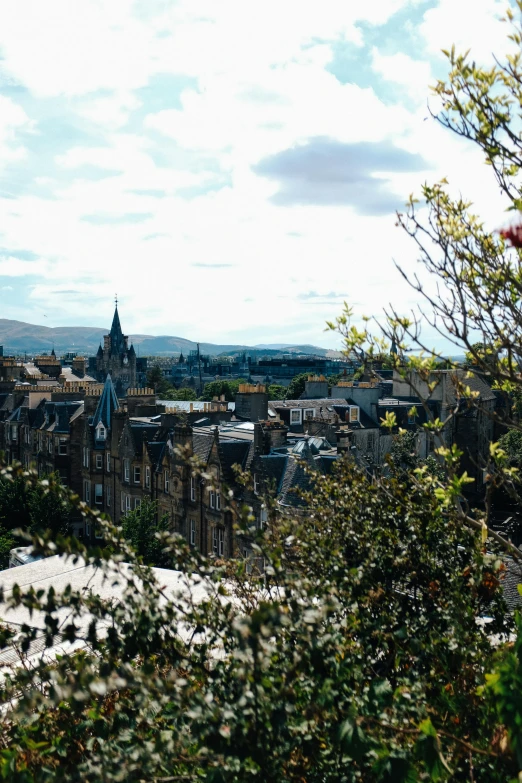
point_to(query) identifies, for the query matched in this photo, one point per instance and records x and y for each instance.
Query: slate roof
(512, 577)
(49, 416)
(324, 402)
(234, 452)
(156, 451)
(475, 383)
(108, 403)
(274, 467)
(296, 478)
(202, 444)
(139, 432)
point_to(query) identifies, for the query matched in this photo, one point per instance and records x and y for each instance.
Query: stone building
(117, 358)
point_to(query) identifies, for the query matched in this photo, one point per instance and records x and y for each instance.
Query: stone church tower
(117, 358)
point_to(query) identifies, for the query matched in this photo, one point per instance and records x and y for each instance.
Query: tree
(140, 527)
(296, 386)
(181, 393)
(154, 376)
(157, 381)
(218, 388)
(276, 391)
(366, 629)
(34, 508)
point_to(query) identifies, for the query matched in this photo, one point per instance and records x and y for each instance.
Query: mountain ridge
(20, 337)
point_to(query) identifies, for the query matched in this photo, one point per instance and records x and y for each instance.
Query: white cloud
(110, 112)
(415, 76)
(12, 119)
(469, 24)
(262, 86)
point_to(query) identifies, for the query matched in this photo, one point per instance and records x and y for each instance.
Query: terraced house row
(115, 452)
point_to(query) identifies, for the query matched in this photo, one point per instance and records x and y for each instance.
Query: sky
(231, 169)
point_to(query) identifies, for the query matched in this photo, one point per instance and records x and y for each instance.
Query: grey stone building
(117, 358)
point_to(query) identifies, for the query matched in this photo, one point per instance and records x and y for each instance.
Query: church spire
(116, 333)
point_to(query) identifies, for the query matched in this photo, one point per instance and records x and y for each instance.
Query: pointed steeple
(118, 340)
(100, 352)
(107, 405)
(116, 326)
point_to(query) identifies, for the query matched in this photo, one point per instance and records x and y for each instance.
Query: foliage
(276, 391)
(296, 386)
(511, 442)
(140, 527)
(217, 388)
(7, 542)
(359, 658)
(157, 381)
(33, 508)
(181, 393)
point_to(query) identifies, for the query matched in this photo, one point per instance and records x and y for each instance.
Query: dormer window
(101, 432)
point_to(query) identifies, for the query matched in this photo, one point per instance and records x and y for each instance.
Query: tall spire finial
(116, 299)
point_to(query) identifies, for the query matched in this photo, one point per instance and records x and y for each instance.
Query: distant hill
(20, 337)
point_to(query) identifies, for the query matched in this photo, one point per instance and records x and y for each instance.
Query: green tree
(140, 528)
(154, 376)
(511, 442)
(296, 386)
(157, 381)
(227, 388)
(34, 508)
(181, 393)
(276, 391)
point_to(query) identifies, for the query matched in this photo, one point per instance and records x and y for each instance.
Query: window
(263, 517)
(98, 494)
(87, 530)
(108, 455)
(99, 461)
(257, 484)
(192, 487)
(87, 491)
(14, 433)
(137, 474)
(212, 498)
(62, 446)
(27, 435)
(126, 470)
(97, 532)
(137, 502)
(127, 502)
(86, 457)
(167, 481)
(354, 413)
(218, 501)
(50, 444)
(192, 532)
(108, 494)
(221, 541)
(295, 416)
(100, 432)
(370, 443)
(147, 476)
(215, 540)
(309, 413)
